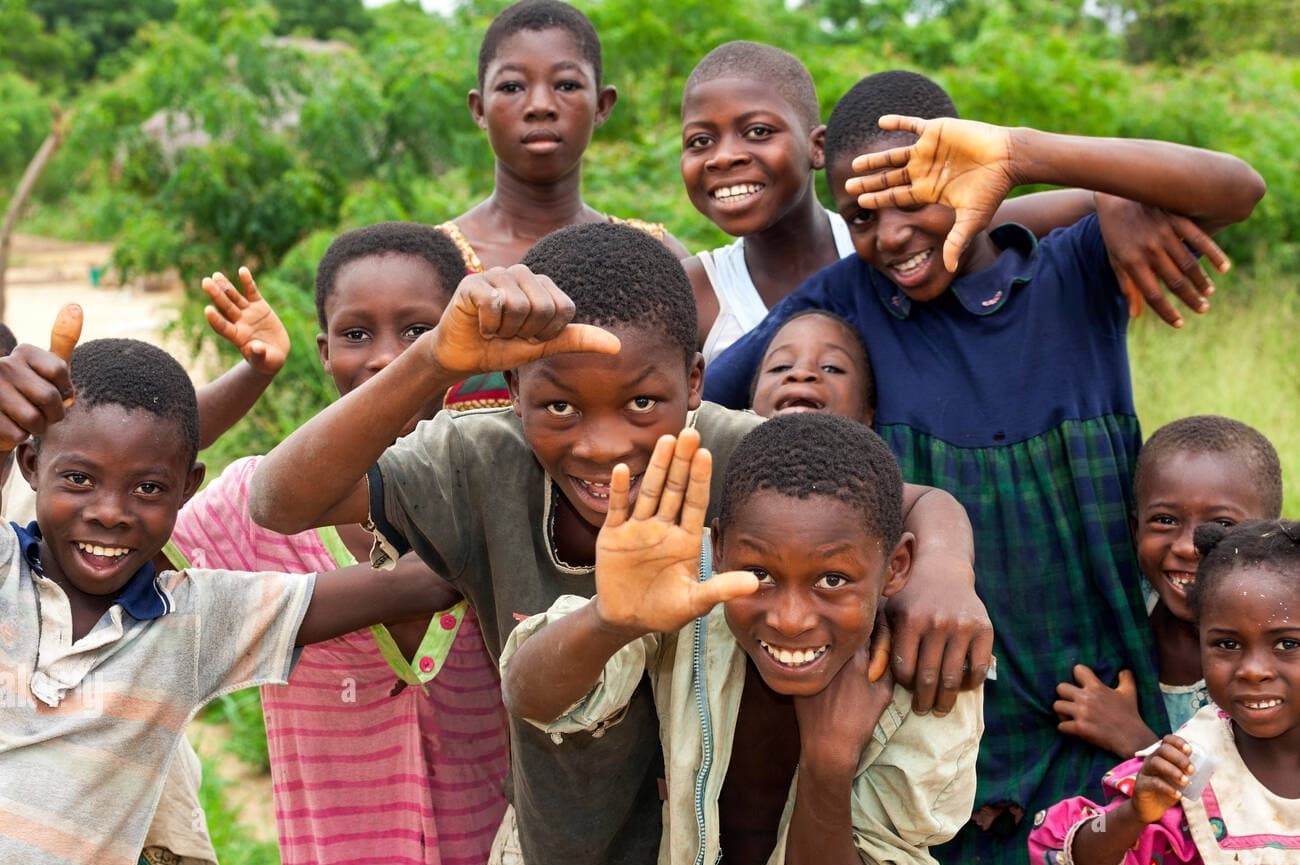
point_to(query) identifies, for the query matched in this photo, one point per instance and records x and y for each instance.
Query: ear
(512, 385)
(900, 566)
(715, 534)
(868, 416)
(194, 480)
(605, 100)
(474, 100)
(27, 455)
(323, 350)
(817, 147)
(695, 382)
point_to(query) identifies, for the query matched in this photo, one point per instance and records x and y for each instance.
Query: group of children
(718, 637)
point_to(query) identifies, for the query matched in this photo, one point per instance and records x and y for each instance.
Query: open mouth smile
(101, 551)
(913, 268)
(598, 491)
(799, 404)
(793, 657)
(1181, 580)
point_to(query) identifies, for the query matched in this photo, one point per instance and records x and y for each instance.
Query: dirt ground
(43, 275)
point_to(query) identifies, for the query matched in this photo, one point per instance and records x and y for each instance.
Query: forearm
(1043, 212)
(1215, 189)
(941, 527)
(559, 664)
(223, 402)
(358, 596)
(303, 480)
(821, 826)
(1105, 839)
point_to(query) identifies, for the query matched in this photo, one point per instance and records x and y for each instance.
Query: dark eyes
(759, 132)
(862, 218)
(832, 581)
(697, 141)
(77, 479)
(642, 403)
(149, 488)
(764, 578)
(560, 409)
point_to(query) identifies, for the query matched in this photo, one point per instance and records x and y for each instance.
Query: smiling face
(747, 157)
(1178, 494)
(109, 482)
(583, 414)
(1250, 650)
(540, 104)
(905, 244)
(378, 307)
(814, 364)
(821, 578)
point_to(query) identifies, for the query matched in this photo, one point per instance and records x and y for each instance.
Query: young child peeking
(103, 658)
(780, 746)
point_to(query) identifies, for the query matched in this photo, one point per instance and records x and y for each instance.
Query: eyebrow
(555, 67)
(568, 385)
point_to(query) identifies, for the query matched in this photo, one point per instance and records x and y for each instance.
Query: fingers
(1086, 678)
(679, 475)
(66, 331)
(967, 224)
(582, 338)
(696, 506)
(900, 123)
(981, 656)
(221, 326)
(721, 588)
(925, 691)
(906, 648)
(250, 286)
(654, 478)
(871, 163)
(33, 384)
(533, 308)
(951, 677)
(226, 299)
(619, 483)
(882, 643)
(1201, 242)
(1127, 685)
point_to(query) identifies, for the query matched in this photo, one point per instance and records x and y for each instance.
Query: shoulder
(722, 427)
(455, 442)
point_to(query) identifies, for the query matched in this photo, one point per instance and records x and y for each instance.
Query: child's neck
(572, 537)
(1275, 762)
(1178, 647)
(792, 249)
(87, 610)
(519, 213)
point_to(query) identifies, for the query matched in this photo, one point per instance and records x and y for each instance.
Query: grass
(1241, 359)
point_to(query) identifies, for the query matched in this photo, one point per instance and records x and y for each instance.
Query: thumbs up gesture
(35, 384)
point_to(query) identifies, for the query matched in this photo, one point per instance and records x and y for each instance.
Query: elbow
(1248, 188)
(265, 507)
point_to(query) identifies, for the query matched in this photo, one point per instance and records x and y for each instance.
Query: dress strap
(452, 230)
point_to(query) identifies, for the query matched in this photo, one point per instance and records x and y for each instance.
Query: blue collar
(141, 597)
(981, 297)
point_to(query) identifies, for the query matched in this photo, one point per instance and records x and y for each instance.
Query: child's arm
(499, 319)
(247, 321)
(834, 729)
(1105, 840)
(647, 564)
(1101, 715)
(359, 596)
(942, 635)
(971, 166)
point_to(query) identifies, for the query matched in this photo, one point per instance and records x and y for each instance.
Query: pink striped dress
(362, 774)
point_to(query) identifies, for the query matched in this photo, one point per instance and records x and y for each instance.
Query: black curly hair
(754, 61)
(617, 275)
(808, 454)
(854, 124)
(137, 376)
(1273, 544)
(1214, 434)
(390, 238)
(537, 15)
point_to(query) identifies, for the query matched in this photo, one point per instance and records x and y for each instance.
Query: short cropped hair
(535, 16)
(868, 386)
(854, 124)
(767, 65)
(390, 238)
(619, 276)
(138, 377)
(8, 342)
(1213, 434)
(808, 454)
(1270, 544)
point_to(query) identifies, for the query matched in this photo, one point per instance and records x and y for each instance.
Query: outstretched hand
(963, 164)
(1160, 783)
(506, 317)
(36, 385)
(246, 321)
(648, 554)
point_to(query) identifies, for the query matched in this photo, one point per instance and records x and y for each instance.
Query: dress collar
(982, 297)
(141, 597)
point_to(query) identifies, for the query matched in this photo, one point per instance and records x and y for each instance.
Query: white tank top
(740, 309)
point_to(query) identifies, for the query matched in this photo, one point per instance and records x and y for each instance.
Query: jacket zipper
(702, 704)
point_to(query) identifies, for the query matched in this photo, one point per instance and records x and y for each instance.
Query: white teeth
(96, 550)
(736, 191)
(914, 262)
(1180, 580)
(795, 658)
(1267, 704)
(601, 490)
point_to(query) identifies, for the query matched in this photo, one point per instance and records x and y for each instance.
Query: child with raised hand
(507, 503)
(1246, 600)
(781, 747)
(540, 96)
(1002, 376)
(752, 144)
(393, 737)
(105, 657)
(816, 362)
(1195, 470)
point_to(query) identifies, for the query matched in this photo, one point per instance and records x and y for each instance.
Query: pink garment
(362, 775)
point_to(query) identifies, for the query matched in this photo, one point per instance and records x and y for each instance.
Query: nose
(603, 443)
(729, 153)
(790, 615)
(1182, 545)
(802, 372)
(106, 508)
(893, 229)
(383, 349)
(1257, 663)
(541, 103)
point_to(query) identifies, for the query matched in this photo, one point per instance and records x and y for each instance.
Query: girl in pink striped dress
(389, 744)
